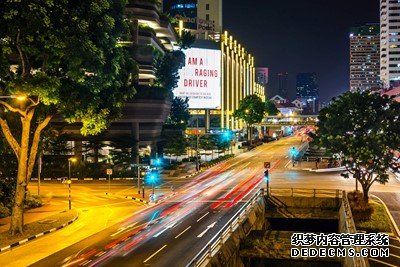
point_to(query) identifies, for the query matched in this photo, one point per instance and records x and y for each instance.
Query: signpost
(267, 166)
(109, 173)
(138, 176)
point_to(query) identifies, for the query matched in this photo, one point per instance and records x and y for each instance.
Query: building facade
(262, 75)
(389, 43)
(308, 91)
(200, 17)
(364, 57)
(283, 84)
(307, 85)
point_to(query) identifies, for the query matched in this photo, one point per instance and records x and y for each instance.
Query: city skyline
(315, 41)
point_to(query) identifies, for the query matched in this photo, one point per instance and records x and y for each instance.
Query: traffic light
(293, 152)
(266, 174)
(142, 173)
(152, 178)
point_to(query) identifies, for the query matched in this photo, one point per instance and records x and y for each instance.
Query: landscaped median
(371, 218)
(38, 228)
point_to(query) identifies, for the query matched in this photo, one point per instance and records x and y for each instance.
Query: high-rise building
(307, 85)
(283, 84)
(201, 17)
(262, 78)
(390, 42)
(364, 57)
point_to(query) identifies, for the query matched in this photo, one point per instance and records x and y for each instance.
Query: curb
(204, 169)
(396, 228)
(138, 199)
(38, 235)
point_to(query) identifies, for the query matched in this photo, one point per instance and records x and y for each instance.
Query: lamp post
(69, 181)
(197, 145)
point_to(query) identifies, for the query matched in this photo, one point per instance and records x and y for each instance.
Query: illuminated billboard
(200, 78)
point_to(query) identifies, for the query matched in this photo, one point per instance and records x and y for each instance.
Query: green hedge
(215, 161)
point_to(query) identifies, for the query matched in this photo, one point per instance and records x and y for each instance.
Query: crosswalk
(394, 255)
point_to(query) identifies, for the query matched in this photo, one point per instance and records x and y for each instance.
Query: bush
(33, 201)
(4, 211)
(185, 160)
(172, 167)
(246, 143)
(361, 211)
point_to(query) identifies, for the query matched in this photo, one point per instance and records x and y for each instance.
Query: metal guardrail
(305, 192)
(351, 229)
(202, 258)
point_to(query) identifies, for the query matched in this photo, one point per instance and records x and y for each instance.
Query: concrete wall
(228, 254)
(309, 202)
(346, 225)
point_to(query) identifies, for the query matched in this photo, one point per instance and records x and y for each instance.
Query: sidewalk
(310, 166)
(33, 215)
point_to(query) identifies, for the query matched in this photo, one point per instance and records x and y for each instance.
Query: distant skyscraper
(390, 42)
(262, 78)
(198, 15)
(364, 57)
(307, 86)
(283, 84)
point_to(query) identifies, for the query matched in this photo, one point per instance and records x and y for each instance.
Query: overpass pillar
(207, 121)
(135, 148)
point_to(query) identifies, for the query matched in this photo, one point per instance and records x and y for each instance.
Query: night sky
(300, 36)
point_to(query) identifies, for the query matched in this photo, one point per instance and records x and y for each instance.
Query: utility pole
(197, 146)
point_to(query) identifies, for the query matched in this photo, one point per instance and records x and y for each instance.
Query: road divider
(138, 199)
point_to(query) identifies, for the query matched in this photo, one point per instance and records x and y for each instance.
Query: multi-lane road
(172, 232)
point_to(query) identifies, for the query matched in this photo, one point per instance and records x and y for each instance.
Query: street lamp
(197, 145)
(69, 181)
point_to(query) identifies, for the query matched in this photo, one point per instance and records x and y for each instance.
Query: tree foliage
(179, 114)
(62, 56)
(167, 67)
(270, 108)
(251, 110)
(176, 145)
(186, 40)
(363, 128)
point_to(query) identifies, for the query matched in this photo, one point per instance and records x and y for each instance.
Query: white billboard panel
(200, 78)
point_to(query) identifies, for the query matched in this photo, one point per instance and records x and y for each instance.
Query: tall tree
(59, 56)
(270, 108)
(363, 128)
(251, 110)
(179, 114)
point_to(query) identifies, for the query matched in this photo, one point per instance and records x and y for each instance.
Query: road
(172, 232)
(183, 224)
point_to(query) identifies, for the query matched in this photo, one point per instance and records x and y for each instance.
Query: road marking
(119, 231)
(288, 163)
(393, 255)
(166, 228)
(101, 253)
(205, 231)
(203, 216)
(183, 232)
(86, 262)
(154, 254)
(394, 246)
(382, 262)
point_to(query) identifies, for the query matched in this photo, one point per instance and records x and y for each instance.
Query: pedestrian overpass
(294, 120)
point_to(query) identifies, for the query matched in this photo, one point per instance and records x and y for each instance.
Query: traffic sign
(267, 164)
(109, 171)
